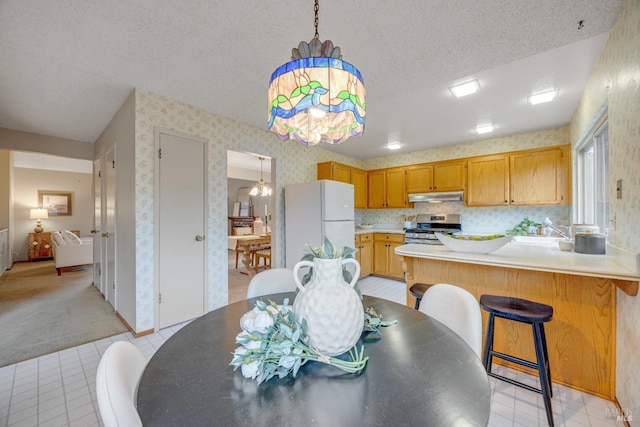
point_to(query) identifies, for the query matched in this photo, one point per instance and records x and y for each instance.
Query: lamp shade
(38, 213)
(317, 99)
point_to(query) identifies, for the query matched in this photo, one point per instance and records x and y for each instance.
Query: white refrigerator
(314, 210)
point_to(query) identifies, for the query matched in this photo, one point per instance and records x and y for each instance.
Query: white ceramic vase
(330, 305)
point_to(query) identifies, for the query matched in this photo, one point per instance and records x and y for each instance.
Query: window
(593, 174)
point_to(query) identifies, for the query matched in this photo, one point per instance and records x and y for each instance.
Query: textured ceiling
(67, 66)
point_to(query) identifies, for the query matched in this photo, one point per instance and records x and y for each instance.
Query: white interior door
(97, 221)
(181, 225)
(108, 234)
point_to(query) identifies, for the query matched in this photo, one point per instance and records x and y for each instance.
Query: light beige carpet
(41, 312)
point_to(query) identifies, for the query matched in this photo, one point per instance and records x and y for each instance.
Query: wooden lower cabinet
(364, 245)
(385, 260)
(581, 337)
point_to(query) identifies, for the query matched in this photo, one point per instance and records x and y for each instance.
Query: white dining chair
(458, 309)
(119, 372)
(272, 281)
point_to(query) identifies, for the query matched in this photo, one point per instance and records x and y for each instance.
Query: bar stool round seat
(520, 310)
(534, 314)
(417, 290)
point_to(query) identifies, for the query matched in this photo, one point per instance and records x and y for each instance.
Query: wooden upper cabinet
(531, 177)
(341, 173)
(443, 176)
(537, 177)
(350, 175)
(396, 188)
(448, 176)
(419, 178)
(359, 181)
(387, 188)
(488, 181)
(376, 185)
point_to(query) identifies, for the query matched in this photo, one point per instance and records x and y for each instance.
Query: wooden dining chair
(458, 309)
(119, 372)
(272, 281)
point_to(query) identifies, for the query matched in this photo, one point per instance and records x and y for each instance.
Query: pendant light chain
(316, 8)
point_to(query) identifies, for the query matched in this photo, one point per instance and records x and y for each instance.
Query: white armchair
(69, 255)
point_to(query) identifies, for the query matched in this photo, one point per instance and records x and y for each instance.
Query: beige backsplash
(488, 219)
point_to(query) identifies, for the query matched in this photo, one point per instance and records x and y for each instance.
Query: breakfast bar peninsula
(581, 289)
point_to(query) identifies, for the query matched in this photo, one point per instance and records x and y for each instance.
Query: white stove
(429, 224)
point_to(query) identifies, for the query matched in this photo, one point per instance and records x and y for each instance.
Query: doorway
(244, 170)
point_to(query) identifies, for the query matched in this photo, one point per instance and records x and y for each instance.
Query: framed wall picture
(57, 203)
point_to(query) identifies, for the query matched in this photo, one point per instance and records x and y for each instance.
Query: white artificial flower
(250, 370)
(256, 320)
(262, 322)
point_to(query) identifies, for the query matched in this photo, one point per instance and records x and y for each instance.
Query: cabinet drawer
(389, 237)
(368, 237)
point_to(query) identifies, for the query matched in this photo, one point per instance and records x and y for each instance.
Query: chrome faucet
(566, 235)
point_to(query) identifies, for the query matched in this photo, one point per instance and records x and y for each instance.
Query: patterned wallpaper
(294, 163)
(616, 79)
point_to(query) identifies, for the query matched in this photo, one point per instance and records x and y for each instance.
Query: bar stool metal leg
(488, 345)
(545, 384)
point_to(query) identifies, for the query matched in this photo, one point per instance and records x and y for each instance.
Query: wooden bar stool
(535, 314)
(417, 290)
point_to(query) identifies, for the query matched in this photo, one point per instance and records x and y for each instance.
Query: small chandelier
(317, 97)
(261, 188)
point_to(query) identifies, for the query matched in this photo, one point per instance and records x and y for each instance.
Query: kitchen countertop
(617, 264)
(380, 230)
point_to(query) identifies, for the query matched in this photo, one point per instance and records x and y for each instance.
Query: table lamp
(38, 215)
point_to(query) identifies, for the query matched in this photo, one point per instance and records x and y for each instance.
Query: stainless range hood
(446, 196)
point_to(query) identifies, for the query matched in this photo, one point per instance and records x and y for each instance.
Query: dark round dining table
(420, 373)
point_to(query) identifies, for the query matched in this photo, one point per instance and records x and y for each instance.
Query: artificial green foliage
(327, 251)
(523, 228)
(274, 343)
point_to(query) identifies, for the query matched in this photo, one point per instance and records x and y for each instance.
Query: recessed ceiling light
(394, 145)
(539, 98)
(484, 129)
(464, 89)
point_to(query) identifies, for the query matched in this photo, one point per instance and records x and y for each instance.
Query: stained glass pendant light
(261, 188)
(317, 97)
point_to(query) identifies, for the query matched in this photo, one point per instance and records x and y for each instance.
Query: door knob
(199, 238)
(94, 231)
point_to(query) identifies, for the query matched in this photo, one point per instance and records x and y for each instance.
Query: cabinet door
(419, 178)
(366, 258)
(488, 181)
(341, 173)
(359, 181)
(395, 188)
(395, 266)
(536, 178)
(380, 258)
(376, 189)
(448, 176)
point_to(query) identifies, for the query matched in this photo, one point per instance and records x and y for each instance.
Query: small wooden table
(247, 246)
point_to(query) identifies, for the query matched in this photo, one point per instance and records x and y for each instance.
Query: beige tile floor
(58, 389)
